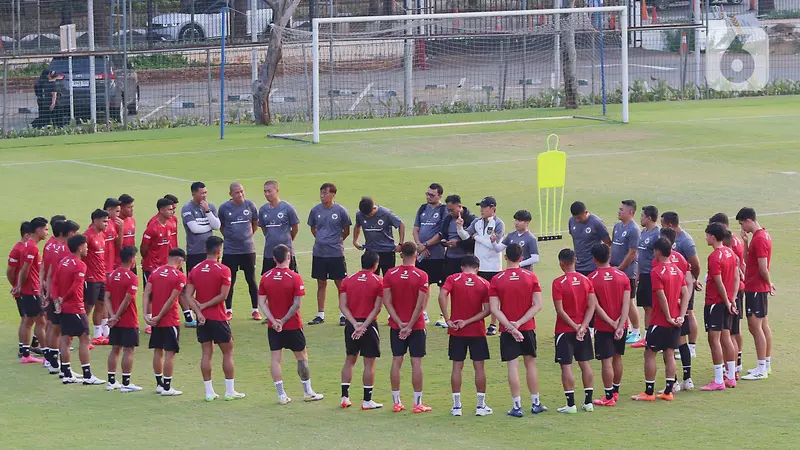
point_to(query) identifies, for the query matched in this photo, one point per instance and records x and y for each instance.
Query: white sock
(396, 396)
(341, 315)
(481, 399)
(307, 387)
(98, 331)
(229, 386)
(456, 400)
(635, 331)
(148, 316)
(762, 366)
(535, 399)
(279, 388)
(255, 310)
(417, 398)
(731, 372)
(321, 314)
(692, 348)
(229, 310)
(718, 373)
(209, 388)
(768, 360)
(104, 330)
(517, 402)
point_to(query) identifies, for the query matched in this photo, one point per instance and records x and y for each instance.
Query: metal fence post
(92, 69)
(124, 32)
(5, 96)
(208, 84)
(222, 78)
(107, 77)
(408, 63)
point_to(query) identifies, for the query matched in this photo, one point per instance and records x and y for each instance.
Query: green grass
(696, 158)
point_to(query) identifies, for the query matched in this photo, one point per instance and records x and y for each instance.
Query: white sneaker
(588, 407)
(72, 380)
(370, 405)
(284, 400)
(455, 412)
(483, 411)
(752, 371)
(159, 389)
(677, 356)
(212, 397)
(172, 392)
(755, 376)
(313, 397)
(113, 386)
(53, 370)
(233, 396)
(92, 381)
(568, 409)
(130, 388)
(46, 364)
(687, 385)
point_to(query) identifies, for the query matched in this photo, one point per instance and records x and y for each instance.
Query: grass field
(694, 158)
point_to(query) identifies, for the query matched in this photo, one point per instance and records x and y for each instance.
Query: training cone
(645, 16)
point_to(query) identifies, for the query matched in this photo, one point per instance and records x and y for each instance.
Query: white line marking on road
(167, 103)
(138, 172)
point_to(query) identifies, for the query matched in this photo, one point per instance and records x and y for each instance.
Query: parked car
(117, 96)
(664, 4)
(207, 21)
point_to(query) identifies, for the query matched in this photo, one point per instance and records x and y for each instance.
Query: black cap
(487, 201)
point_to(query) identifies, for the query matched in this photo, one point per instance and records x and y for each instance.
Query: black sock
(686, 361)
(670, 383)
(615, 387)
(26, 351)
(587, 396)
(54, 355)
(570, 397)
(346, 390)
(167, 383)
(609, 393)
(34, 342)
(19, 351)
(739, 359)
(87, 371)
(126, 379)
(649, 387)
(112, 377)
(66, 370)
(159, 380)
(367, 393)
(188, 315)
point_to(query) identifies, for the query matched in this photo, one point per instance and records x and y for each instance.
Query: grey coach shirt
(329, 224)
(684, 244)
(192, 212)
(624, 238)
(238, 231)
(584, 236)
(377, 229)
(525, 240)
(277, 223)
(429, 222)
(647, 240)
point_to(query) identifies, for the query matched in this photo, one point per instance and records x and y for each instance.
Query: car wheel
(191, 33)
(133, 108)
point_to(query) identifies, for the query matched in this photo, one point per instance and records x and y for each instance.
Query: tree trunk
(239, 31)
(568, 58)
(282, 11)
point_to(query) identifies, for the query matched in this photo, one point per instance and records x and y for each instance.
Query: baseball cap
(487, 201)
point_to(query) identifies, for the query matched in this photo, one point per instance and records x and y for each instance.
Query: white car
(207, 21)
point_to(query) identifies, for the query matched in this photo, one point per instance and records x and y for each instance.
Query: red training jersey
(738, 249)
(111, 247)
(468, 294)
(165, 281)
(208, 277)
(68, 283)
(120, 283)
(609, 286)
(281, 286)
(128, 237)
(172, 230)
(677, 259)
(760, 247)
(13, 260)
(406, 283)
(53, 252)
(721, 262)
(573, 290)
(362, 288)
(670, 279)
(30, 254)
(157, 237)
(515, 288)
(95, 259)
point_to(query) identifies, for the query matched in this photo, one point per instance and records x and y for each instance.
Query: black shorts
(386, 260)
(166, 338)
(661, 338)
(685, 329)
(145, 277)
(269, 264)
(434, 268)
(52, 317)
(414, 344)
(605, 346)
(568, 346)
(29, 305)
(756, 304)
(323, 268)
(487, 275)
(717, 317)
(95, 291)
(510, 349)
(193, 260)
(736, 320)
(478, 348)
(633, 287)
(74, 324)
(451, 266)
(293, 340)
(215, 331)
(691, 299)
(123, 337)
(368, 345)
(644, 291)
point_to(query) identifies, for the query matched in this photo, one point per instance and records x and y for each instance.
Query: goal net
(352, 74)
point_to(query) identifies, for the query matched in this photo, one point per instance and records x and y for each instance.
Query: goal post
(407, 66)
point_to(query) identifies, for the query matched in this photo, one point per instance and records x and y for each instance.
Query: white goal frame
(315, 24)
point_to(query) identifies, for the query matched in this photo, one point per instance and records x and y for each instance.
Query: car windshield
(80, 64)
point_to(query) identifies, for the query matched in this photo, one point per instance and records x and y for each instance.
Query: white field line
(137, 172)
(167, 103)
